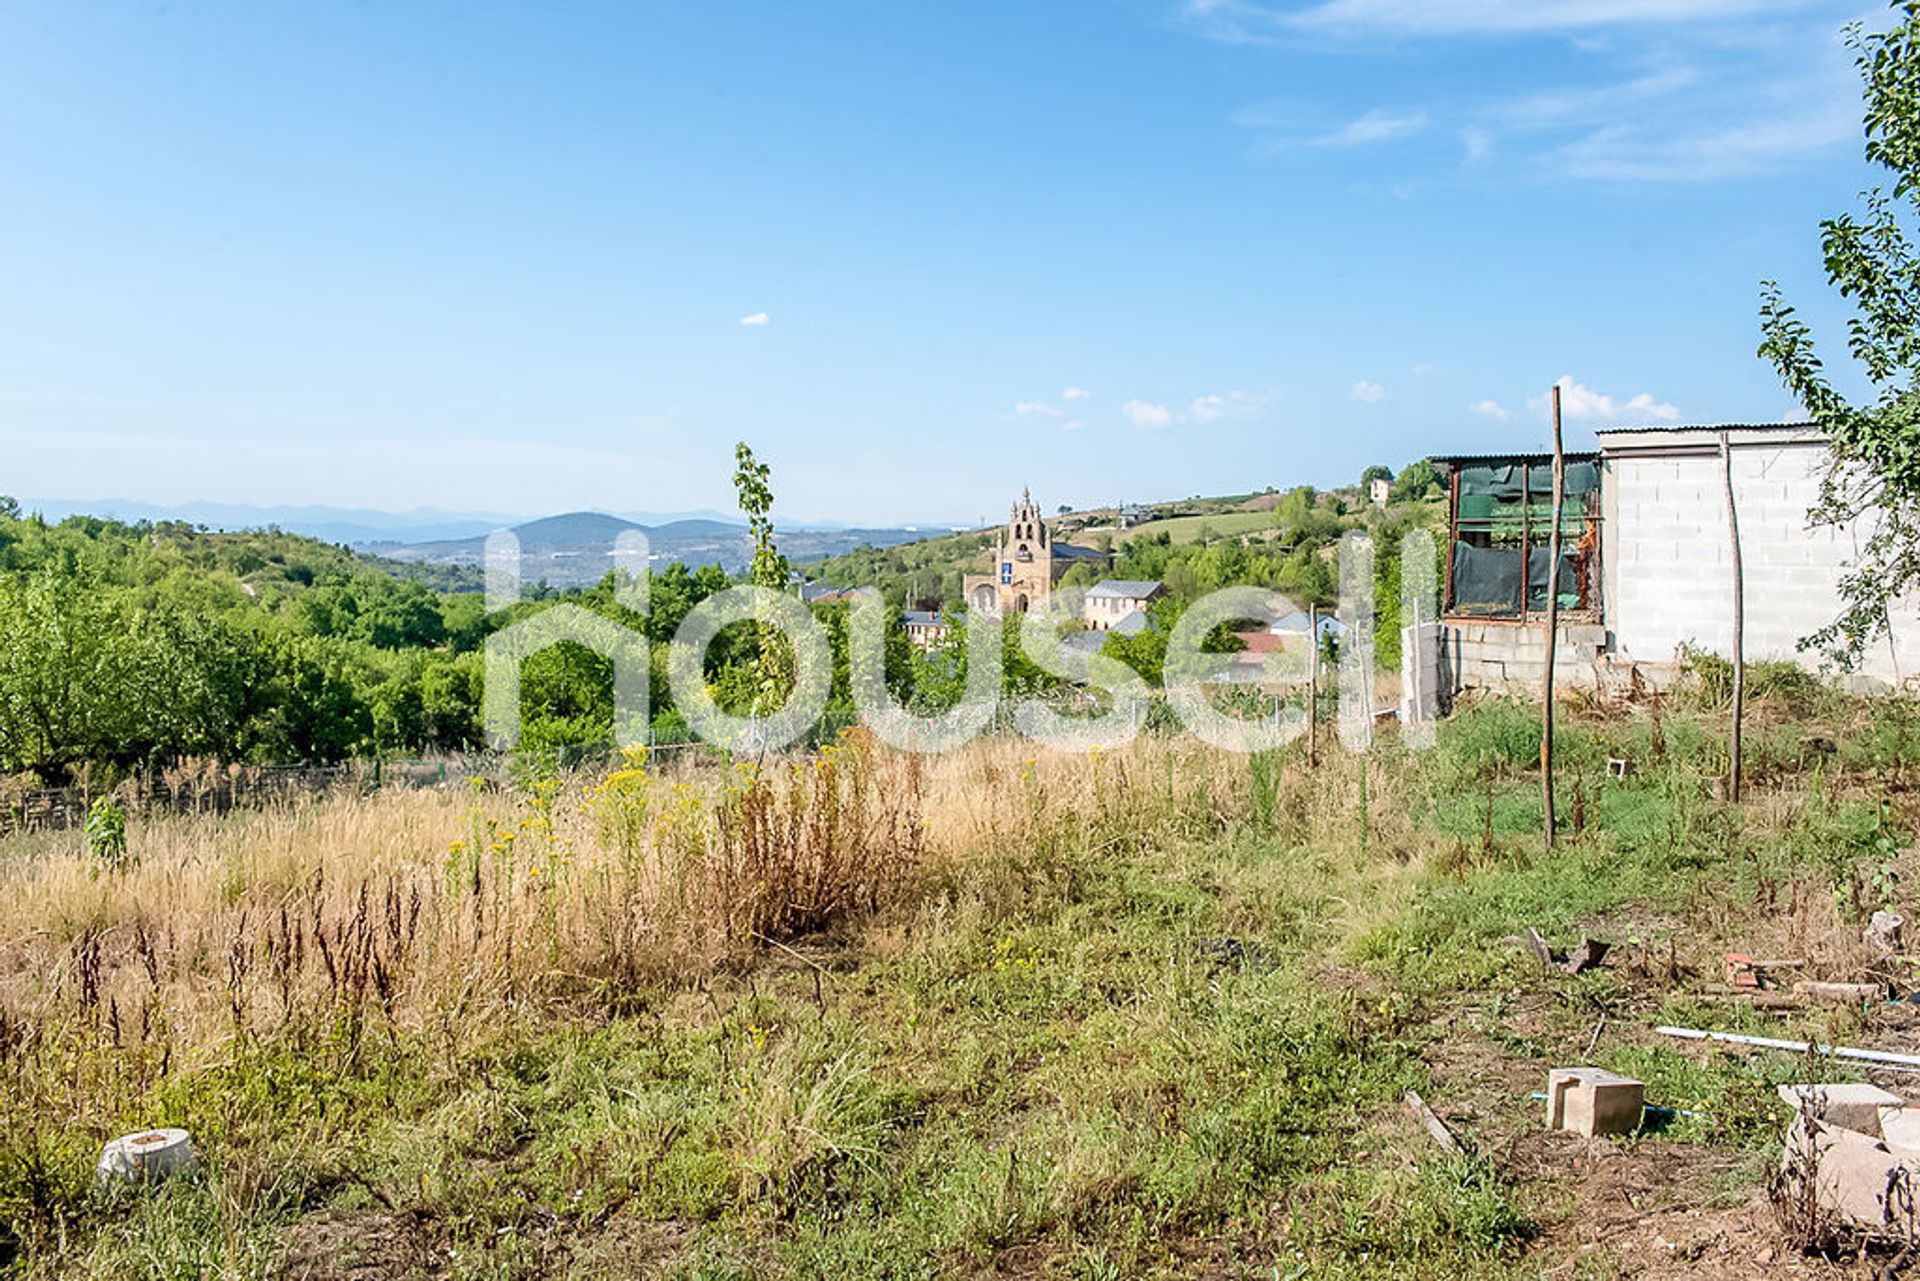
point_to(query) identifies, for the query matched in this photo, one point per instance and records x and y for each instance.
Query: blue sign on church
(1006, 571)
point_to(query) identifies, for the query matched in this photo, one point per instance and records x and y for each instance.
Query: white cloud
(1590, 104)
(1378, 125)
(1207, 408)
(757, 318)
(1490, 409)
(1075, 393)
(1582, 403)
(1368, 393)
(1029, 408)
(1651, 91)
(1291, 124)
(1072, 424)
(1252, 21)
(1626, 153)
(1239, 406)
(1142, 414)
(1424, 367)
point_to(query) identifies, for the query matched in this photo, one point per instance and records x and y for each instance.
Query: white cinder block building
(1647, 561)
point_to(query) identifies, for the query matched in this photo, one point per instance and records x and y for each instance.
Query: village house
(1646, 563)
(1112, 599)
(924, 628)
(1027, 562)
(1298, 622)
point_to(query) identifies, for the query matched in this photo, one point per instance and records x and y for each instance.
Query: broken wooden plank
(1435, 1126)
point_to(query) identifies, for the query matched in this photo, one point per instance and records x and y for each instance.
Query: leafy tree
(1872, 262)
(463, 620)
(88, 674)
(1417, 480)
(311, 708)
(405, 618)
(1375, 472)
(773, 663)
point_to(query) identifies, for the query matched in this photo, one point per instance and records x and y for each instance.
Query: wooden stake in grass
(1313, 686)
(1739, 619)
(1553, 617)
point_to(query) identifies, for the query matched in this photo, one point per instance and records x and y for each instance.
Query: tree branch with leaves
(1870, 260)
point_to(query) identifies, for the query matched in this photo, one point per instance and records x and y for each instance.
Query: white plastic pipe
(1794, 1047)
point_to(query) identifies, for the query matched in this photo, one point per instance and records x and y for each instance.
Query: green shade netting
(1486, 581)
(1502, 481)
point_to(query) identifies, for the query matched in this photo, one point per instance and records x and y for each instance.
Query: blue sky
(537, 258)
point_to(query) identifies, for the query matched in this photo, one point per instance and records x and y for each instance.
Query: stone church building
(1026, 565)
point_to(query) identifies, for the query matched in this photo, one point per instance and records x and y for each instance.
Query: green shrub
(1491, 738)
(1710, 682)
(106, 834)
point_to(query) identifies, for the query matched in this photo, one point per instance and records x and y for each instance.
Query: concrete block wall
(1423, 669)
(1489, 655)
(1670, 568)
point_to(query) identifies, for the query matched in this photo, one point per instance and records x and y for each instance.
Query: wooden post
(1553, 618)
(1739, 619)
(1526, 538)
(1313, 686)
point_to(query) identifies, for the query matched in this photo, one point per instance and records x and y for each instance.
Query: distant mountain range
(568, 550)
(576, 549)
(349, 525)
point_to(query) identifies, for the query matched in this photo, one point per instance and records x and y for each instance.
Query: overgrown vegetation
(1139, 1013)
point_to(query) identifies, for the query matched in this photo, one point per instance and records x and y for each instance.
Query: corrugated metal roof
(1574, 456)
(1125, 588)
(1669, 428)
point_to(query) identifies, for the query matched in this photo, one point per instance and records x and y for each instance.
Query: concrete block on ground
(1850, 1105)
(1900, 1130)
(1850, 1171)
(1592, 1101)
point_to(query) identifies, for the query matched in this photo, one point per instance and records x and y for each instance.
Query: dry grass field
(999, 1012)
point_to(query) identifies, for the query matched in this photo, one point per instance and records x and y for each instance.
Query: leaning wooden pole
(1739, 620)
(1553, 616)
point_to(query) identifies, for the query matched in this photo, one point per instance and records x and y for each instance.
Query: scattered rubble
(1741, 972)
(1586, 956)
(1848, 1153)
(1884, 931)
